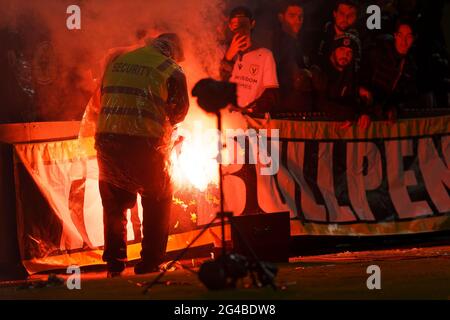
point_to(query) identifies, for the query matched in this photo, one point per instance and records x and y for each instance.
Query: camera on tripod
(225, 271)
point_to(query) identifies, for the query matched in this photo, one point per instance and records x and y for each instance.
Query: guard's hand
(364, 121)
(239, 43)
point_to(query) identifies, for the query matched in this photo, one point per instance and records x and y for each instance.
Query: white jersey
(253, 73)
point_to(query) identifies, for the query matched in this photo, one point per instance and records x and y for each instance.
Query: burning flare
(194, 160)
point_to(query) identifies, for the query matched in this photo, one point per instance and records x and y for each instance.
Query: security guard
(143, 95)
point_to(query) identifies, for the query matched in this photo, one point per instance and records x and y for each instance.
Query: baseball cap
(347, 40)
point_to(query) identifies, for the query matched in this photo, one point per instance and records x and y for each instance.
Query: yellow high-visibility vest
(134, 94)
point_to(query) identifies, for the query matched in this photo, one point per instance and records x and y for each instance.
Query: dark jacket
(390, 77)
(295, 84)
(336, 93)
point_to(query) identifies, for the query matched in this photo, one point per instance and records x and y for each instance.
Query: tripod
(222, 215)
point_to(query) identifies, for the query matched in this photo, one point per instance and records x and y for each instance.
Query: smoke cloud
(60, 64)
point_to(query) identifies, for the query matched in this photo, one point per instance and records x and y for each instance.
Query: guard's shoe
(113, 274)
(143, 268)
(115, 268)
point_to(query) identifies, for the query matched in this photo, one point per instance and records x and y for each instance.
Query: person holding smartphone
(251, 67)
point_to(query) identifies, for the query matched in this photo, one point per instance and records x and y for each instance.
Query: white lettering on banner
(436, 174)
(400, 179)
(398, 193)
(357, 182)
(281, 190)
(325, 182)
(309, 207)
(234, 188)
(374, 281)
(281, 193)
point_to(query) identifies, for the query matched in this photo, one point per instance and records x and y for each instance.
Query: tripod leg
(188, 269)
(178, 257)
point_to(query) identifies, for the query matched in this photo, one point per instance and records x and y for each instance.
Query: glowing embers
(194, 159)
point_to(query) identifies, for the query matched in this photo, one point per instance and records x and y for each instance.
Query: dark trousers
(128, 166)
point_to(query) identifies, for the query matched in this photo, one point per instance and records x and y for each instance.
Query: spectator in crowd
(389, 74)
(252, 68)
(345, 15)
(288, 50)
(335, 84)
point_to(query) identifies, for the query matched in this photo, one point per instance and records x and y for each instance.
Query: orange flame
(194, 164)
